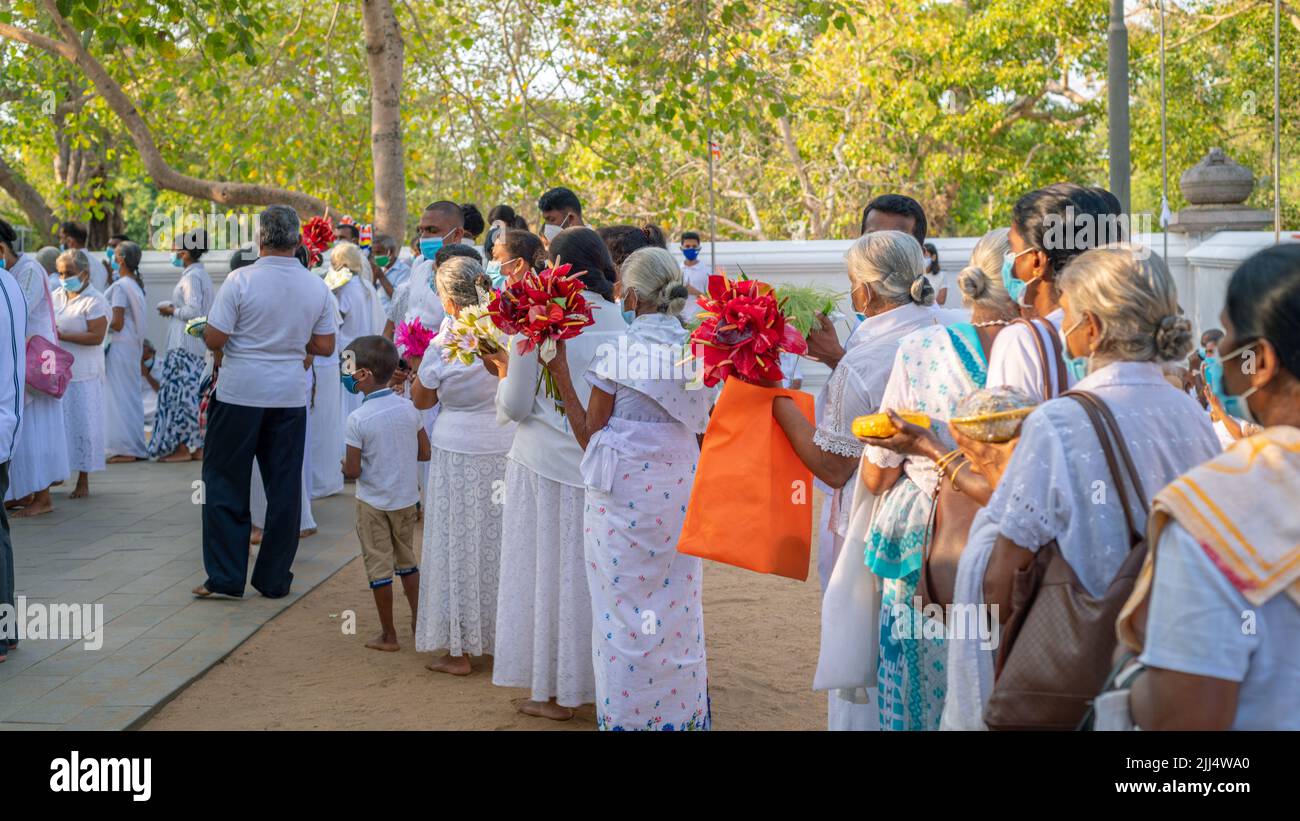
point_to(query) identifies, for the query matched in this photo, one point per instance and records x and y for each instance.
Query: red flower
(743, 332)
(317, 234)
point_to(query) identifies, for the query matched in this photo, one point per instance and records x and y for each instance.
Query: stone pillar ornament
(1217, 188)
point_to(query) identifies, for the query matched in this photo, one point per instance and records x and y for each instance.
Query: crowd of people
(549, 525)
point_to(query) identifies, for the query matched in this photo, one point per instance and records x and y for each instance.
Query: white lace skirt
(83, 425)
(461, 559)
(543, 640)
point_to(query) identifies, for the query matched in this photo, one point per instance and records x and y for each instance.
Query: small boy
(385, 438)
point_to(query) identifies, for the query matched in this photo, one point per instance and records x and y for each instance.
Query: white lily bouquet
(471, 334)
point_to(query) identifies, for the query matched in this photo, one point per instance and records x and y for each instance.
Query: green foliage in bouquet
(802, 303)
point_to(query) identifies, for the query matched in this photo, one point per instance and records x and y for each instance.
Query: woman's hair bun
(1173, 337)
(973, 282)
(922, 291)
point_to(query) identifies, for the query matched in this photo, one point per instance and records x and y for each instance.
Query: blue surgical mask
(493, 270)
(111, 259)
(430, 246)
(349, 382)
(628, 316)
(176, 261)
(72, 284)
(1014, 286)
(1233, 404)
(3, 265)
(691, 254)
(1076, 366)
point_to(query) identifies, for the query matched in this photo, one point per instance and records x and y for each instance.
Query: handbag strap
(1052, 388)
(1108, 434)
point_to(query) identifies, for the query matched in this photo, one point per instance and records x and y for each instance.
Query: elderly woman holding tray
(639, 430)
(934, 369)
(543, 638)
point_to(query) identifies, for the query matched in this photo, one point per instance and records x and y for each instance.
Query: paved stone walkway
(135, 546)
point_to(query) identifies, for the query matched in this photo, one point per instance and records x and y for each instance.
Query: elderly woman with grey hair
(888, 287)
(1121, 323)
(462, 508)
(639, 432)
(123, 406)
(81, 314)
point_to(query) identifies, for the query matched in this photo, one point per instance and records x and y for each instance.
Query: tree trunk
(385, 55)
(38, 212)
(69, 47)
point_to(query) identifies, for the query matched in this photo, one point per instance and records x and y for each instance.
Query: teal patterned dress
(934, 369)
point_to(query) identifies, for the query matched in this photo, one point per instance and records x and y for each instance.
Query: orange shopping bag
(751, 503)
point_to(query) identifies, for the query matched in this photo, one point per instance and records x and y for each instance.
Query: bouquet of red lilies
(317, 234)
(743, 332)
(543, 307)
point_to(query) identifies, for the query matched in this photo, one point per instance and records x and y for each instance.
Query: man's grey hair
(278, 228)
(77, 259)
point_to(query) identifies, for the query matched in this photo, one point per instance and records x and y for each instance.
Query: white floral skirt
(648, 618)
(460, 561)
(543, 638)
(83, 425)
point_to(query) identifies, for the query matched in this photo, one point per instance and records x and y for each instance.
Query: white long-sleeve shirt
(13, 361)
(544, 441)
(192, 297)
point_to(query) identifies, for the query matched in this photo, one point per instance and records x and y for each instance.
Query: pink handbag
(49, 367)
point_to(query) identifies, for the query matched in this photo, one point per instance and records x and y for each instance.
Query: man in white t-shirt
(695, 273)
(267, 319)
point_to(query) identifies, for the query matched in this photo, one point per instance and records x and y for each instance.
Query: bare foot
(307, 534)
(386, 643)
(197, 455)
(544, 709)
(117, 460)
(256, 536)
(453, 665)
(81, 491)
(23, 502)
(36, 508)
(181, 454)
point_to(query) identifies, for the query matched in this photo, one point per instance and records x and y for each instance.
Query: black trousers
(6, 554)
(277, 437)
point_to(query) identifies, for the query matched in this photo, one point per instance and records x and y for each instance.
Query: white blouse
(1014, 361)
(1058, 486)
(193, 297)
(467, 419)
(73, 313)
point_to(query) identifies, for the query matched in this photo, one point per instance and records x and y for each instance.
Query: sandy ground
(301, 671)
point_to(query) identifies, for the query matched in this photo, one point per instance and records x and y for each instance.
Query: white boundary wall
(1201, 267)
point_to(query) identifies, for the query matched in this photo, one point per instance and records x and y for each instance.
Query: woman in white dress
(124, 410)
(176, 435)
(543, 640)
(41, 453)
(934, 370)
(82, 318)
(461, 555)
(887, 288)
(639, 430)
(1121, 318)
(358, 306)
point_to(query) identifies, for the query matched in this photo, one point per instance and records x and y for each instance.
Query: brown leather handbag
(1057, 644)
(951, 514)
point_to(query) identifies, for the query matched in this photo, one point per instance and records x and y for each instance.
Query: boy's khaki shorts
(387, 542)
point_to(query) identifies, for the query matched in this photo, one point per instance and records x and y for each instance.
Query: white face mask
(551, 231)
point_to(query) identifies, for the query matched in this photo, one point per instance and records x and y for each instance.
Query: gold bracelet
(952, 481)
(943, 461)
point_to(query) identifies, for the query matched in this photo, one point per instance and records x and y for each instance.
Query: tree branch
(30, 200)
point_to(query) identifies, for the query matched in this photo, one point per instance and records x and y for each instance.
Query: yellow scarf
(1241, 507)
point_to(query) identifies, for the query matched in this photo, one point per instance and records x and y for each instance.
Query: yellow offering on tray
(878, 426)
